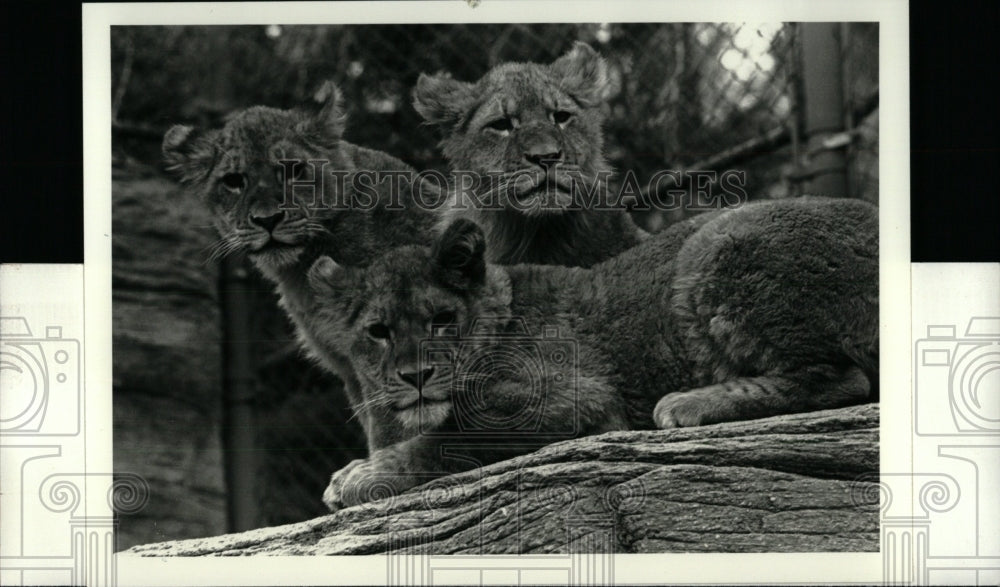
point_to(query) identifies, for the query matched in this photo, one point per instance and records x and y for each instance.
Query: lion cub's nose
(268, 222)
(543, 156)
(416, 378)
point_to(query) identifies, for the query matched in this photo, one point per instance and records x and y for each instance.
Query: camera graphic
(957, 381)
(509, 384)
(39, 381)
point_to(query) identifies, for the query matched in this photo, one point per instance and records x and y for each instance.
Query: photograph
(499, 292)
(490, 292)
(524, 287)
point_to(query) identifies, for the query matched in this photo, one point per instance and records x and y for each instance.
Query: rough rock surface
(167, 366)
(798, 483)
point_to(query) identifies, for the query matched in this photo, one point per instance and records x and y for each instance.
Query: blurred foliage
(685, 91)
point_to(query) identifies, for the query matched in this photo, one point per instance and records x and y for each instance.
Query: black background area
(41, 144)
(955, 206)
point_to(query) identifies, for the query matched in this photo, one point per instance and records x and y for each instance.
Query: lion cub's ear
(324, 126)
(583, 73)
(188, 152)
(439, 98)
(458, 256)
(325, 275)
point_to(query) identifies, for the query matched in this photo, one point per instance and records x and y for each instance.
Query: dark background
(954, 153)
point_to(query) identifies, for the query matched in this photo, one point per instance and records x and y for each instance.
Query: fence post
(238, 395)
(824, 108)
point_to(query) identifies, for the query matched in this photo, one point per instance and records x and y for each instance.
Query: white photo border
(685, 568)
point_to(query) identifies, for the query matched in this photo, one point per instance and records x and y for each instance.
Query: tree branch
(798, 483)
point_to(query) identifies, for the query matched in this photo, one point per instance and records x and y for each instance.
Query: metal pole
(238, 395)
(824, 108)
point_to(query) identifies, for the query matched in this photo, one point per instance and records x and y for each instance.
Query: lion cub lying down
(768, 309)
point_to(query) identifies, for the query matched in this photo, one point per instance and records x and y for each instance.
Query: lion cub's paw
(346, 487)
(679, 410)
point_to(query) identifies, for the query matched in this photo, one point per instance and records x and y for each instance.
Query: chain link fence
(860, 58)
(687, 96)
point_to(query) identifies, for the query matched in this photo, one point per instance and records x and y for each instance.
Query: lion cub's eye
(234, 181)
(561, 117)
(502, 125)
(378, 331)
(298, 170)
(442, 324)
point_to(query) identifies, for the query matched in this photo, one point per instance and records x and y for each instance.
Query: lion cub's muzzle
(268, 223)
(417, 384)
(416, 378)
(542, 190)
(277, 229)
(276, 238)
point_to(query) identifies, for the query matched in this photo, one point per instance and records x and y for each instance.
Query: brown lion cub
(767, 309)
(238, 171)
(528, 139)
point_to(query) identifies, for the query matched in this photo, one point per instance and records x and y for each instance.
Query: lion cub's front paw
(346, 487)
(678, 410)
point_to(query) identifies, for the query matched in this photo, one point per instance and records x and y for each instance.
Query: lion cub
(238, 171)
(767, 309)
(525, 143)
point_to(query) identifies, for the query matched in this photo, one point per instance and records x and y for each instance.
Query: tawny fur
(767, 309)
(533, 97)
(251, 144)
